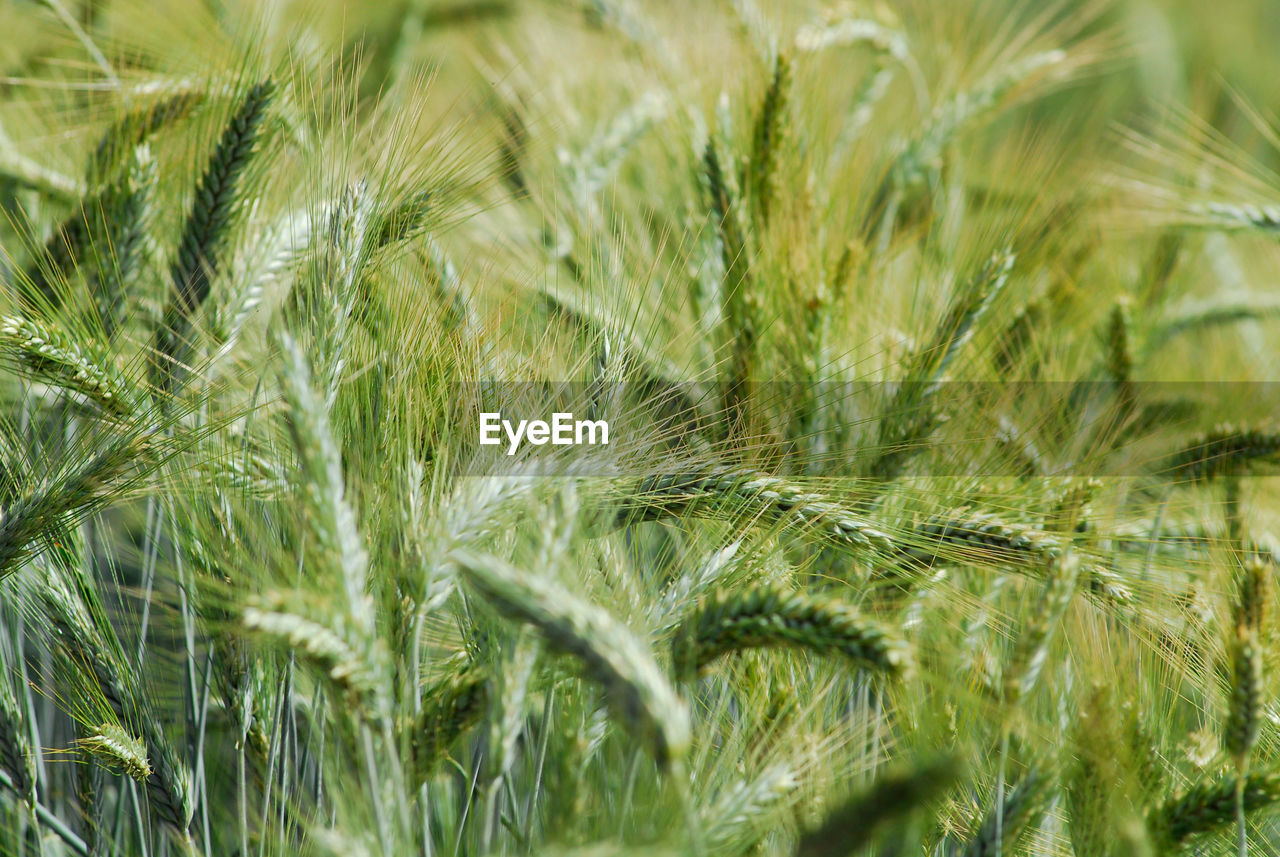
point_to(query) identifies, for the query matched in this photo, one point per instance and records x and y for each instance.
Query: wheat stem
(49, 820)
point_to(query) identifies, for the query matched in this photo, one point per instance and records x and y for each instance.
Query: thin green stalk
(49, 820)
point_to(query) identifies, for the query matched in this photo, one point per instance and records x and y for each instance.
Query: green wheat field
(936, 343)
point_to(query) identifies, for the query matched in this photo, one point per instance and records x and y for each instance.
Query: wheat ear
(1246, 661)
(1246, 654)
(734, 822)
(1006, 824)
(15, 749)
(730, 621)
(910, 416)
(1223, 451)
(91, 652)
(322, 645)
(49, 355)
(130, 217)
(770, 131)
(923, 152)
(1239, 215)
(117, 750)
(1214, 313)
(402, 221)
(1032, 647)
(1210, 806)
(339, 546)
(1120, 356)
(892, 795)
(451, 708)
(842, 32)
(1072, 509)
(105, 238)
(57, 497)
(738, 303)
(218, 200)
(753, 495)
(137, 125)
(985, 539)
(610, 653)
(1018, 336)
